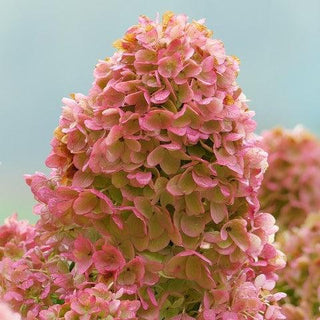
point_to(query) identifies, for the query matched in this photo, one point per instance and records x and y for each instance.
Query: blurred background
(48, 49)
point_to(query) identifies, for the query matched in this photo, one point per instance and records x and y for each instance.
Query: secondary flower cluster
(301, 278)
(16, 237)
(151, 210)
(291, 190)
(34, 280)
(291, 185)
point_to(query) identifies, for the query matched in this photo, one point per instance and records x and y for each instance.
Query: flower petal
(218, 211)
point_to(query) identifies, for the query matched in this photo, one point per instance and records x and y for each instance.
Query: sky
(48, 49)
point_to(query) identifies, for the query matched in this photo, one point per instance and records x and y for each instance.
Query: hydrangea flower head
(291, 185)
(301, 278)
(151, 210)
(16, 237)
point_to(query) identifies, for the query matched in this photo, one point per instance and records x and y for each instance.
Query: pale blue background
(48, 49)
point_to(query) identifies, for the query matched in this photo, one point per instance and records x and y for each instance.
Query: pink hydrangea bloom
(16, 237)
(291, 185)
(151, 210)
(301, 278)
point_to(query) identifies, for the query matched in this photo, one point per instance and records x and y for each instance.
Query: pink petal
(209, 315)
(215, 106)
(76, 141)
(204, 181)
(169, 67)
(156, 120)
(172, 186)
(146, 56)
(185, 93)
(114, 135)
(143, 177)
(218, 211)
(112, 98)
(160, 96)
(155, 156)
(85, 203)
(192, 226)
(207, 64)
(109, 259)
(82, 179)
(237, 231)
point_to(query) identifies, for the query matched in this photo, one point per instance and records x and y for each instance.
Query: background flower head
(291, 185)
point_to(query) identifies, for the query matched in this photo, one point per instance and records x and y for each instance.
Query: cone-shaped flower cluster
(301, 278)
(291, 185)
(151, 209)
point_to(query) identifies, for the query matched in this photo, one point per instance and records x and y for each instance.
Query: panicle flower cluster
(301, 278)
(16, 237)
(151, 210)
(291, 185)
